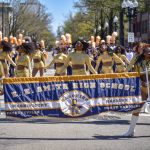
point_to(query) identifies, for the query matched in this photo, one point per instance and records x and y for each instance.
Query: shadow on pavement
(48, 121)
(115, 137)
(44, 121)
(100, 137)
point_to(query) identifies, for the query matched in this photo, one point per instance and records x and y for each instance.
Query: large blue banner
(72, 96)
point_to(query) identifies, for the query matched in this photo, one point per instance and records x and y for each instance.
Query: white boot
(131, 130)
(145, 108)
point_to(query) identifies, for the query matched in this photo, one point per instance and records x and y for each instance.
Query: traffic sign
(131, 37)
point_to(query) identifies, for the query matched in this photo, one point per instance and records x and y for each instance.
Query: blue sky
(60, 10)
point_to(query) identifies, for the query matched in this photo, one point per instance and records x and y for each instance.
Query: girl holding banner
(59, 61)
(23, 68)
(120, 52)
(39, 61)
(5, 56)
(141, 65)
(79, 60)
(107, 59)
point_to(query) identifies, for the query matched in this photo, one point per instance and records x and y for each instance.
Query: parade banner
(71, 96)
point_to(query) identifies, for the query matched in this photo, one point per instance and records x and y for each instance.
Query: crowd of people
(17, 55)
(23, 58)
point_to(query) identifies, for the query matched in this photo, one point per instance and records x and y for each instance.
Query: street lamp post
(106, 28)
(115, 23)
(130, 9)
(97, 31)
(3, 17)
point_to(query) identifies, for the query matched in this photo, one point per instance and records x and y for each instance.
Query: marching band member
(92, 42)
(68, 39)
(39, 61)
(11, 39)
(98, 39)
(97, 43)
(138, 50)
(1, 37)
(107, 59)
(141, 62)
(21, 36)
(19, 41)
(68, 43)
(63, 40)
(108, 37)
(112, 44)
(1, 77)
(121, 54)
(42, 48)
(23, 68)
(5, 56)
(79, 60)
(15, 41)
(59, 61)
(6, 39)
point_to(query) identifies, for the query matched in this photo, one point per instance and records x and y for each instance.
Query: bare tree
(30, 17)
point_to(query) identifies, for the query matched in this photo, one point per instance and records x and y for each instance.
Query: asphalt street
(102, 132)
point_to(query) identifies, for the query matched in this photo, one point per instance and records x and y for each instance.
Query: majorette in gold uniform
(23, 68)
(79, 60)
(5, 56)
(38, 58)
(107, 60)
(1, 81)
(140, 62)
(120, 53)
(59, 61)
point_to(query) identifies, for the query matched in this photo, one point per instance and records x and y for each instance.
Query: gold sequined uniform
(79, 60)
(1, 81)
(1, 70)
(119, 66)
(59, 61)
(107, 62)
(4, 57)
(141, 67)
(38, 59)
(132, 62)
(23, 68)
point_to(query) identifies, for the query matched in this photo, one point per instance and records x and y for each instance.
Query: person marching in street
(23, 68)
(38, 61)
(79, 60)
(120, 52)
(1, 79)
(43, 49)
(112, 44)
(96, 52)
(5, 56)
(59, 61)
(68, 43)
(106, 60)
(14, 56)
(97, 42)
(138, 50)
(141, 62)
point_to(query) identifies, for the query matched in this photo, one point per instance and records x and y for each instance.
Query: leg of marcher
(131, 130)
(41, 72)
(145, 108)
(34, 72)
(135, 115)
